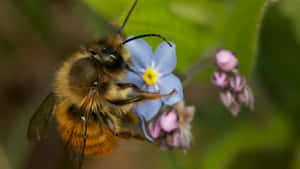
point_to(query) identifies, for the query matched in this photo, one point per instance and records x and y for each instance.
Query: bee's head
(111, 55)
(108, 59)
(103, 61)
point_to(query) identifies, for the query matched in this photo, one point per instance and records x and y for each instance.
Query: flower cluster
(165, 121)
(155, 75)
(172, 129)
(233, 88)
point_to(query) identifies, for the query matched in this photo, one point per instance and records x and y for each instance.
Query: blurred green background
(36, 36)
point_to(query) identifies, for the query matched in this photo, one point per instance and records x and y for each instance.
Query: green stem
(200, 65)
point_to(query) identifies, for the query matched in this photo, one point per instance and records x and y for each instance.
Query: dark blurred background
(36, 36)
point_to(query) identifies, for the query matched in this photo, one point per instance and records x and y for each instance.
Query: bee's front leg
(140, 96)
(130, 85)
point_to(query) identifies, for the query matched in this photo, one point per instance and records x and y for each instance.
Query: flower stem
(200, 65)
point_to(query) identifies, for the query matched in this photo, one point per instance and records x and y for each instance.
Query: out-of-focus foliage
(36, 35)
(193, 25)
(278, 70)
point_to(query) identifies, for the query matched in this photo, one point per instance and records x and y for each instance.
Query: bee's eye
(83, 72)
(108, 54)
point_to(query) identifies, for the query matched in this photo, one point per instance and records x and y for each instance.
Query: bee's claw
(172, 92)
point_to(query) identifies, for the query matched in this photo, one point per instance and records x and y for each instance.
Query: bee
(89, 100)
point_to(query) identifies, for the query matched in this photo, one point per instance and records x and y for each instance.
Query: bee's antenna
(128, 15)
(147, 35)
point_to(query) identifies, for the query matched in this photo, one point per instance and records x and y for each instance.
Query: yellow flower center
(150, 76)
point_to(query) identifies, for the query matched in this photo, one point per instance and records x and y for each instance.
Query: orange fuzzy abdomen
(100, 140)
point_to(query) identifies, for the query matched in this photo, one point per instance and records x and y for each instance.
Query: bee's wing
(39, 123)
(83, 146)
(77, 158)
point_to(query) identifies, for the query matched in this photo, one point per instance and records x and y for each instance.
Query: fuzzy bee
(89, 100)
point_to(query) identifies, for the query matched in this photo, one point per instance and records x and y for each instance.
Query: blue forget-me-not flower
(155, 71)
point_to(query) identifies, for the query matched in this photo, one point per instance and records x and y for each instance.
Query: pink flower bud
(154, 129)
(226, 60)
(235, 108)
(237, 83)
(186, 113)
(246, 97)
(173, 140)
(169, 121)
(227, 98)
(220, 79)
(185, 137)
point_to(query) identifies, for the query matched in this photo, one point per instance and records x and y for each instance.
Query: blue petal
(166, 85)
(143, 127)
(141, 53)
(133, 78)
(165, 58)
(148, 109)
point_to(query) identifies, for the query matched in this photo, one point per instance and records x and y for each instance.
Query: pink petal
(226, 60)
(154, 129)
(227, 98)
(174, 139)
(237, 83)
(220, 79)
(169, 121)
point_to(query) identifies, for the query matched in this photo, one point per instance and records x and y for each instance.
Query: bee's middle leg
(127, 134)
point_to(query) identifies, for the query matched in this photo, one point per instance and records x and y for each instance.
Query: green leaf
(278, 57)
(291, 8)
